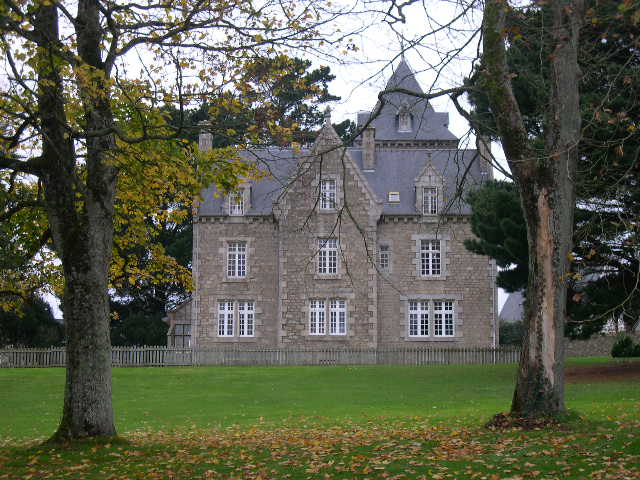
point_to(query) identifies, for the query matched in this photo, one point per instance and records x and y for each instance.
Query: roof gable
(429, 175)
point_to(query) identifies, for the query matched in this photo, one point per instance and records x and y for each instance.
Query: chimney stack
(205, 138)
(369, 148)
(483, 145)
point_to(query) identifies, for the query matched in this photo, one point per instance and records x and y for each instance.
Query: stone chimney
(369, 148)
(483, 145)
(205, 138)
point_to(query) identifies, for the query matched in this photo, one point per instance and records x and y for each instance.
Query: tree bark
(80, 210)
(546, 184)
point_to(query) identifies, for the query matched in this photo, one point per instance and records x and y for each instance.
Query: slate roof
(396, 168)
(396, 171)
(282, 163)
(513, 309)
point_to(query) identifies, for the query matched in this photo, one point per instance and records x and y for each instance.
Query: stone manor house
(346, 247)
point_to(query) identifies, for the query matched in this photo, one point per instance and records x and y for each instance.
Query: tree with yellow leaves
(82, 81)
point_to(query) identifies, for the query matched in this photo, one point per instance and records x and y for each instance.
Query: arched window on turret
(405, 119)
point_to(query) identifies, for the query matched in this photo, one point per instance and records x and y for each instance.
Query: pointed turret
(408, 118)
(328, 138)
(403, 77)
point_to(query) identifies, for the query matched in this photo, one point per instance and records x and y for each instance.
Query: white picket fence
(167, 356)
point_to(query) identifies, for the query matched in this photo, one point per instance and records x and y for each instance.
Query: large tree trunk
(80, 211)
(87, 410)
(547, 194)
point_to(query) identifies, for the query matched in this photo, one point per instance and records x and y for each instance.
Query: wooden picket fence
(166, 356)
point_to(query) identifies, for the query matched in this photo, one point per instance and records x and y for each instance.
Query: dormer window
(429, 191)
(236, 203)
(404, 119)
(430, 201)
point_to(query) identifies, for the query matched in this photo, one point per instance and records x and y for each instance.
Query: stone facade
(467, 279)
(354, 247)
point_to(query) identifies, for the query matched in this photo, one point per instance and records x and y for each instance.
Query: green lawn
(343, 422)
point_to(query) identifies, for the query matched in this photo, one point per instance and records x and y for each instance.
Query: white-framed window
(236, 203)
(246, 319)
(418, 318)
(337, 317)
(430, 201)
(327, 314)
(443, 325)
(327, 256)
(384, 257)
(430, 258)
(431, 318)
(236, 318)
(225, 319)
(317, 317)
(328, 194)
(236, 259)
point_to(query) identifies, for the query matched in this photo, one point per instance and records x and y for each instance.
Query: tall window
(429, 201)
(337, 317)
(384, 257)
(430, 258)
(236, 203)
(418, 318)
(327, 194)
(236, 318)
(225, 319)
(246, 323)
(316, 317)
(443, 319)
(237, 259)
(327, 256)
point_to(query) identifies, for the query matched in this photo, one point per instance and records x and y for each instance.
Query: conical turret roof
(426, 123)
(403, 77)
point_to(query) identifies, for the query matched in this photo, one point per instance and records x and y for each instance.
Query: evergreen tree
(606, 232)
(498, 224)
(33, 325)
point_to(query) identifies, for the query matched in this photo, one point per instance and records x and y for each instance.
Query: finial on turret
(327, 115)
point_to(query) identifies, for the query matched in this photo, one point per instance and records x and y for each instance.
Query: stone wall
(302, 225)
(180, 314)
(466, 279)
(259, 285)
(597, 346)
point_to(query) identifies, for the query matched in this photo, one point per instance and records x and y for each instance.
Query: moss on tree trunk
(547, 195)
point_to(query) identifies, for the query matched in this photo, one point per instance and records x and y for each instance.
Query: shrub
(511, 333)
(636, 350)
(623, 347)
